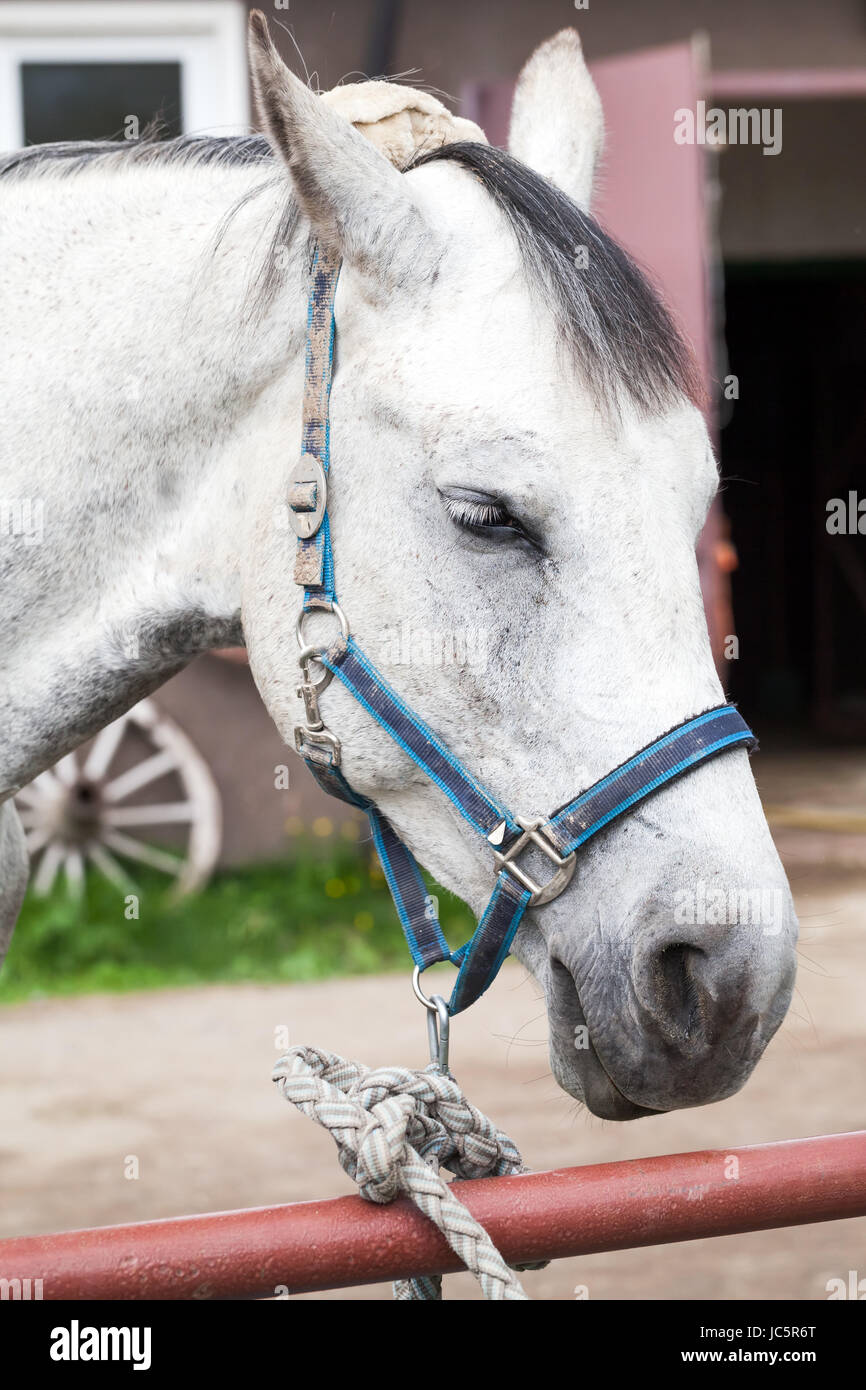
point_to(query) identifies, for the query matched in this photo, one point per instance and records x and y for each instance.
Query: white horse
(514, 451)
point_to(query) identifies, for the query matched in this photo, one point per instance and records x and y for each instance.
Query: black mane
(72, 156)
(607, 312)
(606, 309)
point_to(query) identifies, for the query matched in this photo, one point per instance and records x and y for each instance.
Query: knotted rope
(394, 1128)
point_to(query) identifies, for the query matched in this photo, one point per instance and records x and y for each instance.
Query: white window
(79, 71)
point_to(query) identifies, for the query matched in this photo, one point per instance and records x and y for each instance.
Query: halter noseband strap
(559, 837)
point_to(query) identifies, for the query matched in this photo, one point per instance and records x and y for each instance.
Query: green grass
(324, 912)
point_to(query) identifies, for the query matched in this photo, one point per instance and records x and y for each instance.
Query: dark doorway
(794, 440)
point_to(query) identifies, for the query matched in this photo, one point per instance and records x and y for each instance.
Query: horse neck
(143, 415)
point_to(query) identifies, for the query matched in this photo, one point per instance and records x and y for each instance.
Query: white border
(207, 39)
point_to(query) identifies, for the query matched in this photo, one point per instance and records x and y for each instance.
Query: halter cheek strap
(508, 835)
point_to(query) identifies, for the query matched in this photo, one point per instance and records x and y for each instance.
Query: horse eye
(483, 516)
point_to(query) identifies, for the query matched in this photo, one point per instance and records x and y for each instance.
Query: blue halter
(559, 837)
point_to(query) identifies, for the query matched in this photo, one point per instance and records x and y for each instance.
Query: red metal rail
(346, 1241)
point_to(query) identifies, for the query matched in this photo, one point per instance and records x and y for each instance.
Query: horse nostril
(679, 994)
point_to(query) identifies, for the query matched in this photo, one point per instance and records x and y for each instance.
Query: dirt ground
(181, 1080)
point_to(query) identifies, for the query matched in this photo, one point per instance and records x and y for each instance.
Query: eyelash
(477, 516)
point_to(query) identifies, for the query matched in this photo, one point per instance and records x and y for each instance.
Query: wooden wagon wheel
(89, 806)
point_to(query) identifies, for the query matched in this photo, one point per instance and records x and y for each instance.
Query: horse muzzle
(664, 1017)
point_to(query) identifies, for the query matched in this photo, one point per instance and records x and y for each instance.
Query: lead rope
(394, 1129)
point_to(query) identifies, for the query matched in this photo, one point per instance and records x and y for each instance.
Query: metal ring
(315, 653)
(419, 993)
(438, 1023)
(323, 606)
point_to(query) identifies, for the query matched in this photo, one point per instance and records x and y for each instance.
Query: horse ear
(359, 205)
(557, 125)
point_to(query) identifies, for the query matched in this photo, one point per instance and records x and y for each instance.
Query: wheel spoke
(131, 848)
(169, 814)
(35, 839)
(43, 879)
(139, 776)
(67, 770)
(75, 872)
(45, 785)
(53, 815)
(110, 869)
(103, 749)
(31, 795)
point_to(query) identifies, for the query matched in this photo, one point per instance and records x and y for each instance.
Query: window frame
(208, 41)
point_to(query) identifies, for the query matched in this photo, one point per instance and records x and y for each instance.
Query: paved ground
(180, 1079)
(803, 787)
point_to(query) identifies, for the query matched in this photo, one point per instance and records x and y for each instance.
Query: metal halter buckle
(533, 832)
(308, 496)
(308, 742)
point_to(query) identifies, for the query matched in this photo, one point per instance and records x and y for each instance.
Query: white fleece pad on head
(400, 121)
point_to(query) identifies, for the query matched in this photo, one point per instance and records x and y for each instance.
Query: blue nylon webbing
(411, 899)
(694, 741)
(370, 688)
(613, 795)
(479, 958)
(659, 763)
(314, 561)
